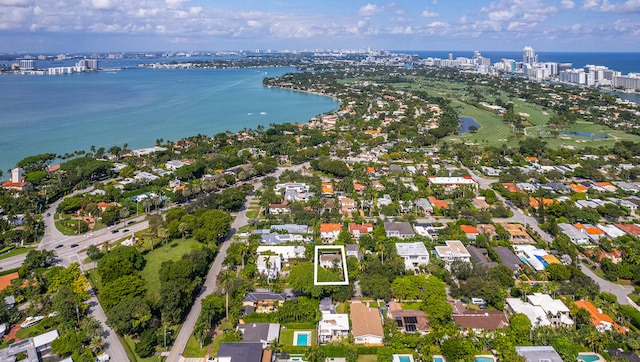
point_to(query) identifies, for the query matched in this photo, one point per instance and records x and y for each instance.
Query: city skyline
(118, 25)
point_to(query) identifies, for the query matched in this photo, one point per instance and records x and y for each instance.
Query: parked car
(74, 245)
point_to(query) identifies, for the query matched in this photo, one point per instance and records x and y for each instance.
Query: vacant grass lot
(155, 258)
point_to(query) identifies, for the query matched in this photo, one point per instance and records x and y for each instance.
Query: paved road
(112, 344)
(209, 287)
(620, 291)
(240, 220)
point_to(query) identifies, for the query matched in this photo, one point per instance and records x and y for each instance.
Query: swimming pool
(404, 358)
(484, 359)
(589, 358)
(438, 359)
(302, 339)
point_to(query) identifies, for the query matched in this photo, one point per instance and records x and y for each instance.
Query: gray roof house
(240, 351)
(402, 230)
(264, 333)
(538, 353)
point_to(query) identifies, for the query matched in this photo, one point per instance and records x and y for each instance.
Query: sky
(184, 25)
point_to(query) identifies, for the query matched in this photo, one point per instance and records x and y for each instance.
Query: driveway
(620, 291)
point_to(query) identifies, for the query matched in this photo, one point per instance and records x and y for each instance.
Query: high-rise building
(529, 55)
(27, 64)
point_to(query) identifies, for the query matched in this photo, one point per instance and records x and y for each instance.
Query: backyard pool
(438, 359)
(589, 357)
(484, 359)
(302, 338)
(404, 359)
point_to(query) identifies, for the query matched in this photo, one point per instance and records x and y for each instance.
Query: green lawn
(368, 358)
(411, 306)
(252, 214)
(155, 258)
(192, 349)
(286, 336)
(14, 252)
(69, 226)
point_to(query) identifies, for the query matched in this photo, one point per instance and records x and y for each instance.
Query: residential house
(357, 230)
(427, 230)
(450, 183)
(275, 238)
(31, 348)
(384, 200)
(264, 333)
(508, 258)
(366, 325)
(470, 230)
(414, 255)
(440, 204)
(517, 233)
(353, 251)
(329, 232)
(402, 230)
(630, 229)
(601, 321)
(278, 209)
(269, 265)
(333, 327)
(537, 258)
(241, 352)
(480, 257)
(330, 260)
(453, 250)
(263, 302)
(487, 229)
(174, 165)
(347, 205)
(283, 251)
(478, 321)
(611, 231)
(424, 206)
(16, 182)
(538, 354)
(542, 310)
(594, 233)
(480, 203)
(409, 321)
(292, 228)
(327, 189)
(578, 237)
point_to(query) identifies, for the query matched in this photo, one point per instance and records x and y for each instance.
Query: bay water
(62, 114)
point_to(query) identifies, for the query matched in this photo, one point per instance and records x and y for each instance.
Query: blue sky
(149, 25)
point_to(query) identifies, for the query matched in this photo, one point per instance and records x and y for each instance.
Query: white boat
(30, 321)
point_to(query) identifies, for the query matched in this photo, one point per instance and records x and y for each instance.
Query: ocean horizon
(63, 114)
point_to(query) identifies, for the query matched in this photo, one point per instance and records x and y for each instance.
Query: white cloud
(438, 24)
(404, 30)
(19, 3)
(369, 10)
(568, 4)
(501, 15)
(428, 14)
(102, 4)
(591, 4)
(628, 6)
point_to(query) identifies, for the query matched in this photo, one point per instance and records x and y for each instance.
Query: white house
(453, 250)
(414, 254)
(269, 265)
(333, 327)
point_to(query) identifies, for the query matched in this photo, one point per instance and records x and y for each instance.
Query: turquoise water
(483, 359)
(62, 114)
(302, 339)
(404, 359)
(437, 359)
(588, 358)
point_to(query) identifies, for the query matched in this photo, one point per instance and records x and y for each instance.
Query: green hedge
(631, 313)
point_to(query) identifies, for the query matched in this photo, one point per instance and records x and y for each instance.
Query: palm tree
(225, 278)
(182, 227)
(163, 235)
